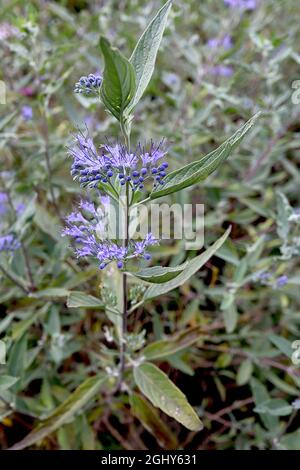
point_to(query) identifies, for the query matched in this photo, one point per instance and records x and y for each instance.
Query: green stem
(122, 358)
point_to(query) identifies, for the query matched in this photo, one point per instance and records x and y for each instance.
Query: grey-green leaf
(284, 211)
(274, 407)
(282, 344)
(17, 357)
(199, 170)
(162, 393)
(64, 412)
(144, 55)
(260, 395)
(119, 81)
(191, 268)
(2, 352)
(151, 420)
(160, 274)
(166, 347)
(7, 381)
(78, 299)
(51, 293)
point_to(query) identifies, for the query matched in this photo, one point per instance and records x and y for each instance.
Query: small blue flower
(242, 4)
(224, 42)
(9, 243)
(282, 281)
(115, 161)
(27, 113)
(85, 227)
(222, 70)
(88, 85)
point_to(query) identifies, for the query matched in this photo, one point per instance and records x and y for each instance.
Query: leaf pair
(124, 81)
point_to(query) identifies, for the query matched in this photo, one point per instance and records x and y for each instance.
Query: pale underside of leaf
(164, 394)
(77, 299)
(160, 274)
(144, 55)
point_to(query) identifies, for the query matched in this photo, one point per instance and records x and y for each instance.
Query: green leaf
(17, 357)
(118, 86)
(19, 328)
(198, 171)
(164, 348)
(144, 55)
(284, 211)
(282, 344)
(274, 407)
(191, 268)
(244, 372)
(7, 119)
(229, 311)
(6, 381)
(78, 299)
(160, 274)
(291, 441)
(64, 412)
(260, 395)
(47, 223)
(2, 352)
(51, 293)
(151, 420)
(162, 393)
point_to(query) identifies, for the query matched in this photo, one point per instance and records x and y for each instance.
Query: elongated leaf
(64, 412)
(201, 169)
(159, 274)
(159, 389)
(274, 407)
(6, 381)
(47, 223)
(17, 357)
(244, 372)
(80, 299)
(284, 211)
(164, 348)
(282, 344)
(118, 86)
(7, 119)
(50, 293)
(192, 267)
(2, 352)
(260, 395)
(150, 418)
(144, 55)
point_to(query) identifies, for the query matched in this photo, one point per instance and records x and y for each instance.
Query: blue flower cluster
(224, 42)
(9, 243)
(266, 279)
(242, 4)
(87, 227)
(88, 85)
(116, 165)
